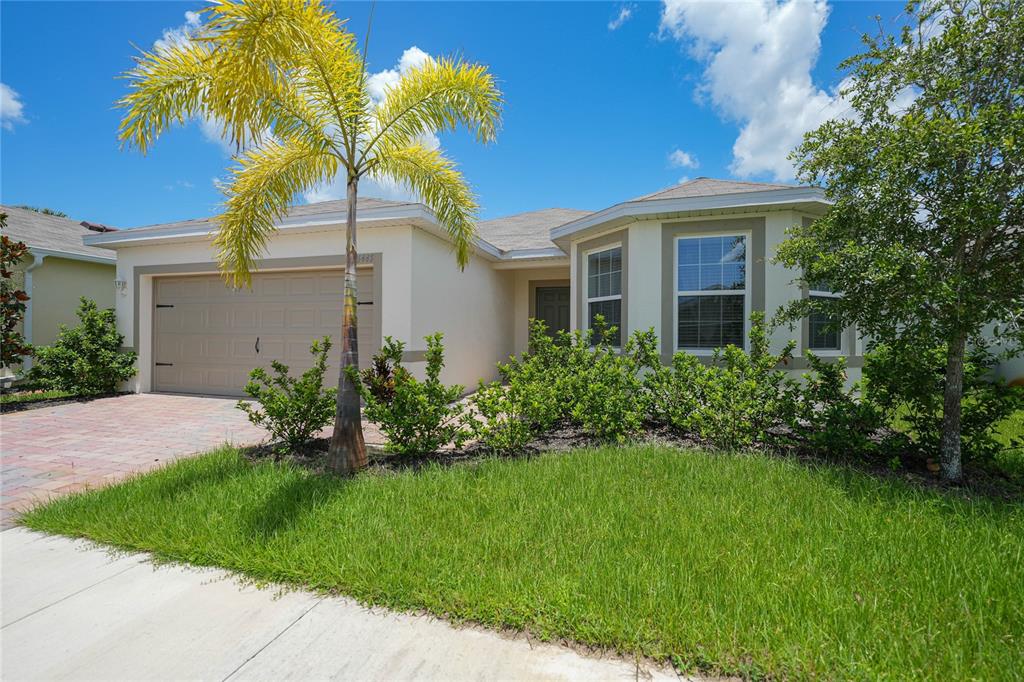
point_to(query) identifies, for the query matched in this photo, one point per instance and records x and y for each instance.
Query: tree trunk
(347, 453)
(949, 446)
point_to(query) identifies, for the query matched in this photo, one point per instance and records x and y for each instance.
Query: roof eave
(408, 214)
(71, 255)
(532, 258)
(630, 211)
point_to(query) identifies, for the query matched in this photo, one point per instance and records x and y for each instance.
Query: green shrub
(416, 417)
(825, 417)
(732, 402)
(676, 392)
(907, 384)
(292, 410)
(576, 377)
(508, 413)
(87, 359)
(610, 401)
(527, 399)
(742, 396)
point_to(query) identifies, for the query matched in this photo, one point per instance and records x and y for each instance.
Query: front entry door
(552, 307)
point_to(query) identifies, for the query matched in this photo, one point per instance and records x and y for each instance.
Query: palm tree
(287, 83)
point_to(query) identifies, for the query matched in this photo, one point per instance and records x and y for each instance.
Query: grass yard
(743, 564)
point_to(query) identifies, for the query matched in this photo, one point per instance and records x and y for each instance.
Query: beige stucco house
(692, 261)
(58, 270)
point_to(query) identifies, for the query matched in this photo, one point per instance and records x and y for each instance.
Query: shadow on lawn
(289, 502)
(983, 482)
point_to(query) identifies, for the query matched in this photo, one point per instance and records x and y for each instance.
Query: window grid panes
(604, 273)
(824, 333)
(711, 283)
(604, 290)
(611, 310)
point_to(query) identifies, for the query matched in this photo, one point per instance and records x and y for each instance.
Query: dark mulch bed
(53, 402)
(980, 480)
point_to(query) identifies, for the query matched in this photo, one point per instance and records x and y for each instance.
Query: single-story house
(692, 261)
(58, 270)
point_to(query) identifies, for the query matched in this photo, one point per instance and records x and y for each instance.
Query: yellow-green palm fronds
(440, 94)
(258, 195)
(272, 43)
(167, 86)
(441, 186)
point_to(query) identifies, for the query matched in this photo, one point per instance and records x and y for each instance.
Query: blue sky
(597, 110)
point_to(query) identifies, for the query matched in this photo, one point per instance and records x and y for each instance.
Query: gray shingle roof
(294, 211)
(50, 232)
(709, 187)
(530, 230)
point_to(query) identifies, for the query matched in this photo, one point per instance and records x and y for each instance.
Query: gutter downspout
(36, 262)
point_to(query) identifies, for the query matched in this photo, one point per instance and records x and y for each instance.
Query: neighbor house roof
(530, 230)
(51, 235)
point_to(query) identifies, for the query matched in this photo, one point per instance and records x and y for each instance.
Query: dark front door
(552, 307)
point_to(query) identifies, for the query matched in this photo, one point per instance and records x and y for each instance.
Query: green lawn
(33, 396)
(745, 564)
(1011, 459)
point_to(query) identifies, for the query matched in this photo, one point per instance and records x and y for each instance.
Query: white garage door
(208, 337)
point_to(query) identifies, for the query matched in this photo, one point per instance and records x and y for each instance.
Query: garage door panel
(302, 318)
(194, 288)
(272, 317)
(209, 334)
(218, 316)
(332, 285)
(186, 317)
(245, 317)
(273, 286)
(301, 286)
(330, 318)
(217, 348)
(271, 348)
(193, 346)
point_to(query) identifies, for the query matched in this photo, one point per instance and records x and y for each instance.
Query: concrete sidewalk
(74, 611)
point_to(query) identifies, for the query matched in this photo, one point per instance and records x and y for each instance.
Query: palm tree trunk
(949, 446)
(347, 453)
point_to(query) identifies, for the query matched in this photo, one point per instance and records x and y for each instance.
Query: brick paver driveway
(57, 450)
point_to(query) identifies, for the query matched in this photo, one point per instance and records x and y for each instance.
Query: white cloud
(180, 34)
(377, 84)
(179, 184)
(11, 107)
(681, 159)
(625, 12)
(757, 57)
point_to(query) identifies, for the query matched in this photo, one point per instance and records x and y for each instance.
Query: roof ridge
(766, 186)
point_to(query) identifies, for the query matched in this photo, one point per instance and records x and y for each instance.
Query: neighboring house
(692, 261)
(58, 270)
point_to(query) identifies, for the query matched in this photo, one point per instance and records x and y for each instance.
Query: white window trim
(748, 237)
(587, 300)
(826, 352)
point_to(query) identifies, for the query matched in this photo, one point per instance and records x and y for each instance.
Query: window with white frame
(711, 291)
(824, 333)
(604, 289)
